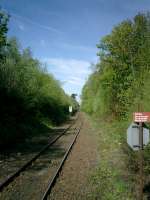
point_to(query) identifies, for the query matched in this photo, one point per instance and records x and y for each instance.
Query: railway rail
(13, 176)
(52, 180)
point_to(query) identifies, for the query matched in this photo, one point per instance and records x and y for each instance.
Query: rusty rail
(53, 179)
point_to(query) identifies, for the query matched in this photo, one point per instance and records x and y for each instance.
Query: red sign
(141, 117)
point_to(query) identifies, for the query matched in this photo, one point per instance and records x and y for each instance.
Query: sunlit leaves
(124, 62)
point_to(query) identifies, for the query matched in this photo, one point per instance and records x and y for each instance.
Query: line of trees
(121, 77)
(28, 93)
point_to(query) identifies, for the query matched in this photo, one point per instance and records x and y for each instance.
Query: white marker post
(70, 110)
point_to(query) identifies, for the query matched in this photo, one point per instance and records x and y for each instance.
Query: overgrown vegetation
(123, 70)
(112, 179)
(29, 95)
(115, 89)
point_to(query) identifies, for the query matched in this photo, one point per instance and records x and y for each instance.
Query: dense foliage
(121, 78)
(28, 93)
(119, 86)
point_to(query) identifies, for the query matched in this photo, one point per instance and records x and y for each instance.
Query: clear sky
(64, 33)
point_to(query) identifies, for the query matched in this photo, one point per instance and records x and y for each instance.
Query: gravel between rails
(73, 182)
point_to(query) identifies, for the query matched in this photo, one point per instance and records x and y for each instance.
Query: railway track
(10, 178)
(51, 181)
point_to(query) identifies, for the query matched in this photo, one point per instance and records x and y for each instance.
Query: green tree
(124, 62)
(3, 33)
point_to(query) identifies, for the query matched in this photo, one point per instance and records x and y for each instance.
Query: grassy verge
(114, 178)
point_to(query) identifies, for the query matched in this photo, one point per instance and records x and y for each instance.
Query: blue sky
(64, 33)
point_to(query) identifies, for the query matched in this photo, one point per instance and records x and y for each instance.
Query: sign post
(134, 137)
(141, 160)
(141, 117)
